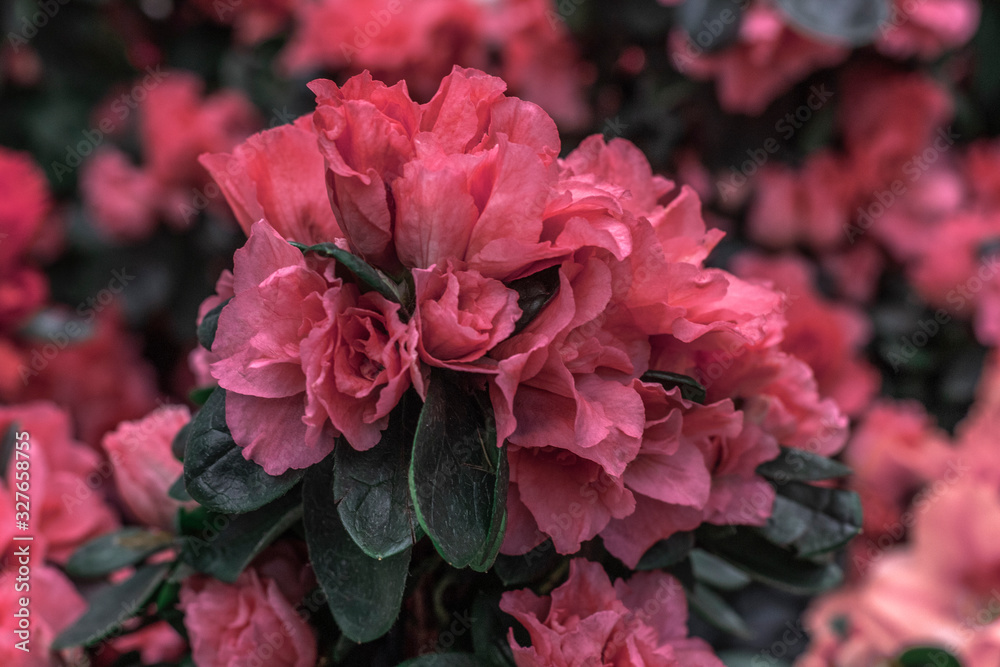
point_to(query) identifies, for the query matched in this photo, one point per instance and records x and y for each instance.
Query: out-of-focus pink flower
(413, 41)
(176, 123)
(121, 197)
(144, 465)
(24, 204)
(156, 643)
(586, 620)
(894, 452)
(889, 119)
(827, 336)
(766, 60)
(97, 372)
(67, 495)
(927, 28)
(541, 63)
(808, 206)
(240, 623)
(856, 270)
(53, 604)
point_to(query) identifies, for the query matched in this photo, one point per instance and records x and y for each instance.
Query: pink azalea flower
(144, 464)
(641, 622)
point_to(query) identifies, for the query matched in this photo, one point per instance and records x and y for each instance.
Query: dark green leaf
(242, 538)
(750, 659)
(444, 660)
(109, 553)
(523, 570)
(372, 492)
(178, 491)
(111, 606)
(691, 389)
(215, 472)
(364, 594)
(927, 656)
(766, 562)
(489, 631)
(667, 552)
(534, 293)
(813, 520)
(7, 449)
(458, 476)
(199, 395)
(712, 25)
(711, 607)
(800, 465)
(179, 444)
(716, 572)
(856, 22)
(365, 272)
(209, 324)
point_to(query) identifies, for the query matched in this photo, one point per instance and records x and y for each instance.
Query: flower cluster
(462, 204)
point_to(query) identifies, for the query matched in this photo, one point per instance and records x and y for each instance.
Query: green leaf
(365, 272)
(209, 325)
(372, 491)
(444, 660)
(691, 389)
(364, 593)
(534, 293)
(712, 25)
(7, 448)
(111, 606)
(489, 631)
(199, 395)
(525, 569)
(242, 538)
(666, 553)
(855, 22)
(800, 465)
(178, 491)
(813, 520)
(716, 572)
(766, 562)
(108, 553)
(179, 444)
(458, 476)
(711, 607)
(215, 472)
(927, 656)
(746, 658)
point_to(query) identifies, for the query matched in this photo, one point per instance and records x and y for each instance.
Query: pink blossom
(252, 619)
(461, 315)
(53, 603)
(144, 465)
(641, 622)
(67, 495)
(768, 58)
(827, 336)
(925, 29)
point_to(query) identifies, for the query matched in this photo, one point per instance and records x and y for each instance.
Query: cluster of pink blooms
(525, 42)
(769, 55)
(940, 587)
(461, 196)
(457, 195)
(175, 124)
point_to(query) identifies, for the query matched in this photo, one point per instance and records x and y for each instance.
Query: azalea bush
(518, 333)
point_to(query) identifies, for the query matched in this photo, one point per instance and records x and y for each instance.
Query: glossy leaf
(215, 472)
